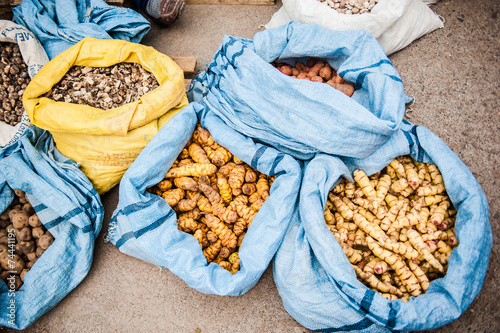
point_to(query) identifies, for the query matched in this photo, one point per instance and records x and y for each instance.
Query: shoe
(170, 10)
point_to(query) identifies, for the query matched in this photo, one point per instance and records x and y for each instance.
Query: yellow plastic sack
(105, 142)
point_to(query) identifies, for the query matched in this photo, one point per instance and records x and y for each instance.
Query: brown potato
(326, 73)
(20, 220)
(4, 223)
(346, 88)
(311, 62)
(19, 193)
(31, 256)
(287, 70)
(38, 232)
(338, 79)
(39, 251)
(27, 207)
(45, 241)
(13, 264)
(34, 221)
(14, 211)
(5, 215)
(24, 234)
(11, 230)
(23, 273)
(300, 65)
(4, 275)
(312, 73)
(27, 246)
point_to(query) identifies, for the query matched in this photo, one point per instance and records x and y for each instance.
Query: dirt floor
(452, 74)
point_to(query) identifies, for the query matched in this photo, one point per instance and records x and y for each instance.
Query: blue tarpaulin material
(145, 226)
(301, 117)
(318, 286)
(69, 208)
(59, 24)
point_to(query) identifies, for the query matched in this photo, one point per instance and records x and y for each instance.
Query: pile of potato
(23, 239)
(14, 79)
(396, 227)
(103, 87)
(216, 197)
(317, 71)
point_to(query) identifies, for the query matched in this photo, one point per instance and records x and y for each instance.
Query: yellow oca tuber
(216, 196)
(396, 227)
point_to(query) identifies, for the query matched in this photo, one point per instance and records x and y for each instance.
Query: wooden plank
(232, 2)
(187, 64)
(187, 82)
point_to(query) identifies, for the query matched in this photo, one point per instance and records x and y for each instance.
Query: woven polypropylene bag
(69, 208)
(144, 226)
(59, 24)
(318, 286)
(105, 142)
(395, 23)
(35, 58)
(301, 117)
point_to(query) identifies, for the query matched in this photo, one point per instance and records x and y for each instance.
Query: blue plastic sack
(298, 116)
(144, 226)
(318, 286)
(67, 205)
(59, 24)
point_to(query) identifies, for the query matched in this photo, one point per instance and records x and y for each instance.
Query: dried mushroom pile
(396, 227)
(23, 239)
(13, 81)
(103, 87)
(216, 197)
(351, 7)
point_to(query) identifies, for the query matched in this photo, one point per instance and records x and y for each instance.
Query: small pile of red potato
(316, 71)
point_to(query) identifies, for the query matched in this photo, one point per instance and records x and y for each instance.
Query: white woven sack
(395, 23)
(34, 56)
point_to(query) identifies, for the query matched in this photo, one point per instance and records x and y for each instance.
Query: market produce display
(396, 227)
(103, 87)
(317, 71)
(23, 239)
(216, 197)
(350, 7)
(13, 81)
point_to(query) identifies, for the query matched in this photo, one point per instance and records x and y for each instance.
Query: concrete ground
(453, 75)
